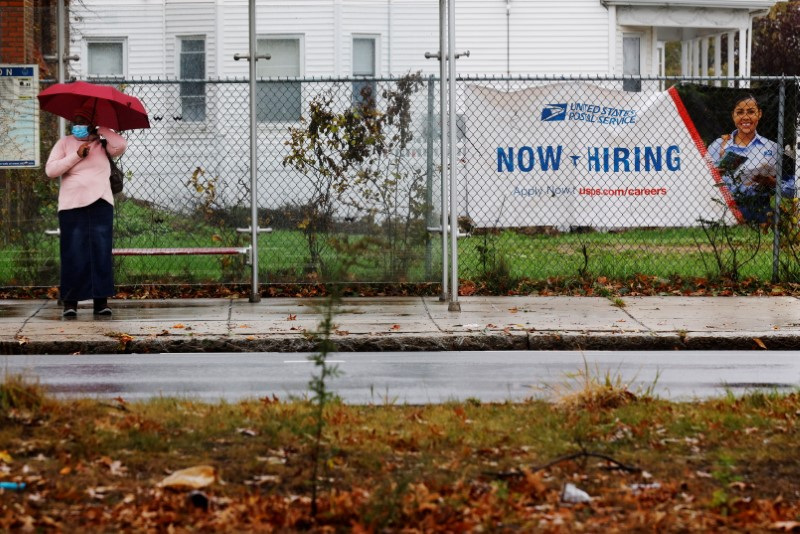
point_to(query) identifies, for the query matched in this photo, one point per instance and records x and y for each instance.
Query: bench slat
(185, 251)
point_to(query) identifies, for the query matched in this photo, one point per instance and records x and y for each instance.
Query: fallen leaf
(5, 457)
(115, 467)
(759, 343)
(179, 325)
(195, 477)
(292, 317)
(100, 492)
(263, 479)
(395, 327)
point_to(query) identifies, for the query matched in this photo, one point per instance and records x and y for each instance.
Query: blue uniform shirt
(762, 159)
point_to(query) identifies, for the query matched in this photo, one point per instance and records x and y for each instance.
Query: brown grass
(91, 465)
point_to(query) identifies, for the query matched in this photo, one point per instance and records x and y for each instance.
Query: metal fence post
(776, 238)
(454, 305)
(429, 180)
(255, 294)
(443, 58)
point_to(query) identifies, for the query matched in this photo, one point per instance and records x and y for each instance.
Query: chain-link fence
(556, 177)
(572, 177)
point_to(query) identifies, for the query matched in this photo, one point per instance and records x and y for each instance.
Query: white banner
(581, 155)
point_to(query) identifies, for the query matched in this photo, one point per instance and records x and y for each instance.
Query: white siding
(415, 30)
(544, 37)
(190, 19)
(141, 23)
(312, 19)
(557, 37)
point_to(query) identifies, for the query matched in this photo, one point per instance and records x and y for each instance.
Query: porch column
(749, 46)
(718, 58)
(695, 57)
(654, 69)
(704, 56)
(731, 61)
(743, 59)
(684, 58)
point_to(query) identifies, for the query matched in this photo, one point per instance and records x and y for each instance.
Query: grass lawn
(645, 464)
(284, 254)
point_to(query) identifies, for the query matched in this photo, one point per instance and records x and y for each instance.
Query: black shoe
(101, 307)
(70, 308)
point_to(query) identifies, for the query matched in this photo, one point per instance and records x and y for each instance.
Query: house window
(631, 61)
(193, 67)
(278, 101)
(364, 67)
(105, 59)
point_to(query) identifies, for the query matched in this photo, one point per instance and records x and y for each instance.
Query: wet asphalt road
(410, 377)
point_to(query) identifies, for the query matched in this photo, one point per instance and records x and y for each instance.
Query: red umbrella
(112, 108)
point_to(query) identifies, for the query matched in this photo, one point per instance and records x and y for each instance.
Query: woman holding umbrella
(85, 210)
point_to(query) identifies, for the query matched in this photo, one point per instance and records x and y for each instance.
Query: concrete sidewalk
(405, 323)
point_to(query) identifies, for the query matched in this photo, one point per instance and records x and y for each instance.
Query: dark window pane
(193, 45)
(278, 101)
(365, 92)
(193, 67)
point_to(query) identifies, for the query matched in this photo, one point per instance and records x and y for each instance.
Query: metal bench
(184, 251)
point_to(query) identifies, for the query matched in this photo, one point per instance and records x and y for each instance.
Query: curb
(538, 341)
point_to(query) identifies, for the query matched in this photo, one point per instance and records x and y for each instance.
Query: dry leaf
(759, 343)
(395, 327)
(292, 317)
(786, 526)
(195, 477)
(5, 457)
(179, 325)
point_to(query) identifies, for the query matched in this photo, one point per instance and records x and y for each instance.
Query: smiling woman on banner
(747, 162)
(85, 210)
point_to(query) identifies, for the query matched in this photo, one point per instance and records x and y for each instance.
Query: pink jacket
(84, 180)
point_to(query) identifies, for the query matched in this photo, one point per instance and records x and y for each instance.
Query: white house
(198, 39)
(167, 38)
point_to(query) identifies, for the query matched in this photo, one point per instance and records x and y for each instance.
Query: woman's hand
(83, 150)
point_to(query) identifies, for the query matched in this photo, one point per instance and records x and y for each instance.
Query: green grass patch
(497, 258)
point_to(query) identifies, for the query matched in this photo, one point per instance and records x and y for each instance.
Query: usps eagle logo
(554, 112)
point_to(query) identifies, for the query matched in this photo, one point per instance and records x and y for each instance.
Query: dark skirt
(86, 264)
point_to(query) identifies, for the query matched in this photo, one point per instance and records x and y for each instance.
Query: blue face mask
(80, 131)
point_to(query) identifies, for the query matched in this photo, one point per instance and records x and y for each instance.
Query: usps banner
(582, 155)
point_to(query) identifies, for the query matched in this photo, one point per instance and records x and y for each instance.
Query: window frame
(122, 41)
(633, 85)
(361, 80)
(179, 39)
(289, 83)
